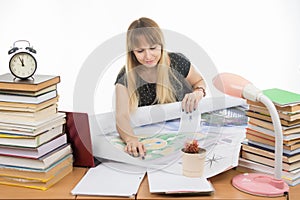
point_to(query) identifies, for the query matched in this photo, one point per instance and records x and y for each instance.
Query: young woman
(152, 76)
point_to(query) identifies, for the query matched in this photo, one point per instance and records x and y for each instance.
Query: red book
(78, 135)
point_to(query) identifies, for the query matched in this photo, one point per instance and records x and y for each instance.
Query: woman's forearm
(133, 146)
(124, 128)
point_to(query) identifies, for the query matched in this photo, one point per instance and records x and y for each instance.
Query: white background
(257, 39)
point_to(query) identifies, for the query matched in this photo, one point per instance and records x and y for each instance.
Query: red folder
(78, 135)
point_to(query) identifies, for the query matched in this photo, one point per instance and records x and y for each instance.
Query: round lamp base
(260, 184)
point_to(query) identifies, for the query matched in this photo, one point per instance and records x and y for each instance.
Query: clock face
(22, 65)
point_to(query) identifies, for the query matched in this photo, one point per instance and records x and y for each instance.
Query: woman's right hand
(135, 148)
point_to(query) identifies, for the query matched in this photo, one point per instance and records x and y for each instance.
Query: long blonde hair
(152, 33)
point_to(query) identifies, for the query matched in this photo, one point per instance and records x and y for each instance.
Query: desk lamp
(256, 183)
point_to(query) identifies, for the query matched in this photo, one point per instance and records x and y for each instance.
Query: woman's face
(147, 55)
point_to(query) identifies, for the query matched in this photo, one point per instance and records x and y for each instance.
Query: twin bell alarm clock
(22, 63)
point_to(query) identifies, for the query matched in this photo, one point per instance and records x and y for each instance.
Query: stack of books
(34, 151)
(258, 150)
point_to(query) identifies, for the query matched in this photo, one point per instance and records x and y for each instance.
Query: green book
(282, 97)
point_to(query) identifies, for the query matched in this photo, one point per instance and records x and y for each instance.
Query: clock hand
(22, 61)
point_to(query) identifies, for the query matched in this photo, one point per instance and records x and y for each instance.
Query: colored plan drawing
(162, 144)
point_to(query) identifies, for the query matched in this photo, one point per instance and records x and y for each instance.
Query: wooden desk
(60, 190)
(223, 190)
(104, 198)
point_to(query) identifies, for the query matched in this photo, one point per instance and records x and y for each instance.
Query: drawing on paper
(213, 159)
(162, 144)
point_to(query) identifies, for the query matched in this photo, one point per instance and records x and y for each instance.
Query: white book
(272, 148)
(30, 141)
(169, 183)
(31, 128)
(111, 179)
(272, 133)
(17, 116)
(292, 178)
(40, 163)
(34, 152)
(28, 99)
(29, 93)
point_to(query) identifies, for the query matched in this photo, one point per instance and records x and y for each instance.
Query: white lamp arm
(256, 183)
(278, 134)
(237, 86)
(251, 92)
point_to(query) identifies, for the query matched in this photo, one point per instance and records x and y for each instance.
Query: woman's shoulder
(122, 70)
(180, 63)
(121, 78)
(177, 56)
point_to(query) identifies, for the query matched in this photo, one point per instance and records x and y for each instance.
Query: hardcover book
(292, 178)
(78, 132)
(269, 154)
(282, 97)
(284, 100)
(286, 108)
(16, 149)
(272, 133)
(286, 130)
(36, 83)
(35, 184)
(266, 117)
(29, 93)
(288, 116)
(265, 136)
(28, 99)
(39, 163)
(32, 128)
(270, 162)
(272, 148)
(269, 142)
(15, 116)
(36, 174)
(27, 107)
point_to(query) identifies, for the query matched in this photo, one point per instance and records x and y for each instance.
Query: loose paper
(111, 179)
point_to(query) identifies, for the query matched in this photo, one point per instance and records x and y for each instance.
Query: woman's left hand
(191, 100)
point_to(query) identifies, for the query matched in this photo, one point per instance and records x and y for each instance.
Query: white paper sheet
(222, 151)
(104, 123)
(111, 179)
(190, 122)
(163, 182)
(103, 148)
